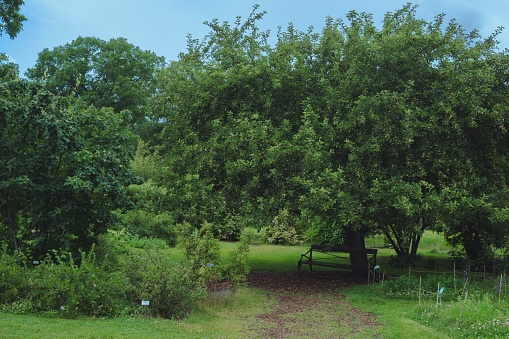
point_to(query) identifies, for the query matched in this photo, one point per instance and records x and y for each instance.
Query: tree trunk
(12, 226)
(358, 260)
(417, 238)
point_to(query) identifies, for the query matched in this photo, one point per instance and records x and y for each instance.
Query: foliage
(282, 230)
(13, 279)
(200, 248)
(99, 286)
(147, 218)
(63, 169)
(148, 225)
(201, 252)
(237, 267)
(11, 20)
(478, 226)
(170, 287)
(102, 73)
(146, 163)
(59, 286)
(230, 229)
(7, 69)
(358, 129)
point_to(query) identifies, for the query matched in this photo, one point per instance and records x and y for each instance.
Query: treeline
(325, 136)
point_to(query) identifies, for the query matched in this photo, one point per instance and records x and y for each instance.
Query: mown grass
(398, 316)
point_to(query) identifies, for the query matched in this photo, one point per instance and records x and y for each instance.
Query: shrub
(169, 286)
(237, 267)
(201, 252)
(63, 287)
(199, 246)
(282, 231)
(150, 225)
(13, 279)
(231, 228)
(60, 285)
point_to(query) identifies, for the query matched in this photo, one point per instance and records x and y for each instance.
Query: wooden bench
(334, 256)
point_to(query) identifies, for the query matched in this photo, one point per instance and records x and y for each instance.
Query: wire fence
(451, 284)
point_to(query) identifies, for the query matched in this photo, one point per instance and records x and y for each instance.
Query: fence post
(420, 282)
(438, 290)
(500, 288)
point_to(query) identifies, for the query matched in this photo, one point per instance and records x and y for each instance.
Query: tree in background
(63, 169)
(11, 20)
(101, 73)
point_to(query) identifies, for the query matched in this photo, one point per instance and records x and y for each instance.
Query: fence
(489, 279)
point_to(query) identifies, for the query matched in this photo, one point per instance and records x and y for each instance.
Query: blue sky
(161, 26)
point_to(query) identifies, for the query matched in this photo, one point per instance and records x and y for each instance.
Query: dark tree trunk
(12, 226)
(359, 260)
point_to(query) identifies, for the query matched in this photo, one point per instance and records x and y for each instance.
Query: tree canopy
(102, 73)
(11, 20)
(355, 129)
(63, 169)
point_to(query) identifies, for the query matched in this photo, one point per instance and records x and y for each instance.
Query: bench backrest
(345, 249)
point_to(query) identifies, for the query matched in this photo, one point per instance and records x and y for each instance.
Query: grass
(227, 320)
(399, 317)
(394, 315)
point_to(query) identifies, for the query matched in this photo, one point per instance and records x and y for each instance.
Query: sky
(162, 26)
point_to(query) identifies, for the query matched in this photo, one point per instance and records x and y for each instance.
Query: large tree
(102, 73)
(418, 111)
(63, 169)
(353, 130)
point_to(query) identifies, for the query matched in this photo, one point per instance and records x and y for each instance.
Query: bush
(199, 246)
(169, 286)
(60, 285)
(282, 231)
(13, 279)
(201, 251)
(146, 224)
(231, 229)
(237, 267)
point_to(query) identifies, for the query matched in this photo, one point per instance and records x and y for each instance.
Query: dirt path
(308, 305)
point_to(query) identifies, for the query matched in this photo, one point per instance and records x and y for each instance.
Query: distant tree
(63, 169)
(11, 20)
(101, 73)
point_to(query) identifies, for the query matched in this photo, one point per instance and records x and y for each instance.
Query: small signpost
(145, 304)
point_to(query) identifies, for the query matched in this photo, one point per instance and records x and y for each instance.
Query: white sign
(145, 303)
